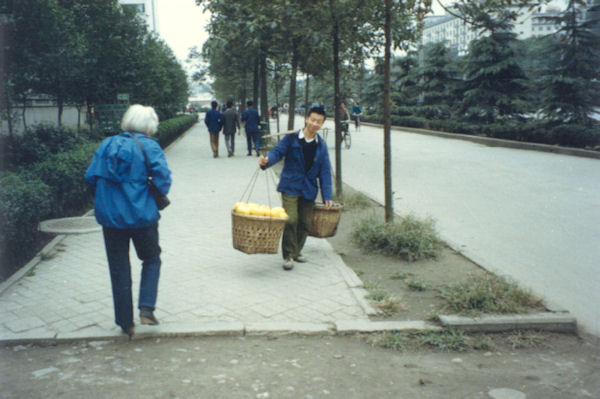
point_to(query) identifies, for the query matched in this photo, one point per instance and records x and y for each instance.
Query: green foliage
(449, 340)
(407, 237)
(356, 200)
(489, 294)
(416, 285)
(41, 141)
(64, 174)
(24, 202)
(171, 129)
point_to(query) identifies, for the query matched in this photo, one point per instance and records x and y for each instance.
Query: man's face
(314, 122)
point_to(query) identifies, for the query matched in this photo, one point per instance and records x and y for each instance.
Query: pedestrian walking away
(118, 174)
(252, 119)
(356, 112)
(306, 161)
(214, 123)
(231, 124)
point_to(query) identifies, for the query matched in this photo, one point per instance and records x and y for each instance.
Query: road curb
(493, 142)
(551, 322)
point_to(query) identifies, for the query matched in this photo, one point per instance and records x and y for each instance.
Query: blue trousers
(145, 241)
(252, 137)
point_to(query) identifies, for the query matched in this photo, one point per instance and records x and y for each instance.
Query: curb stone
(552, 322)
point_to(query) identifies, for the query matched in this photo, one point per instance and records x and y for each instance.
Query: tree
(436, 82)
(571, 86)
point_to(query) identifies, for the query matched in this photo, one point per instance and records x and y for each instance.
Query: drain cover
(73, 225)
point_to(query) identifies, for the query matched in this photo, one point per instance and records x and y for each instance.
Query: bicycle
(324, 133)
(345, 131)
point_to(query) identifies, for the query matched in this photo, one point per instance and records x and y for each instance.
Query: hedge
(171, 129)
(528, 131)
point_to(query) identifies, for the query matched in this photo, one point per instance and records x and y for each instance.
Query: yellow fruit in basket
(277, 212)
(243, 208)
(237, 205)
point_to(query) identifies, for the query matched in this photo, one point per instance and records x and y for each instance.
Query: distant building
(458, 34)
(146, 8)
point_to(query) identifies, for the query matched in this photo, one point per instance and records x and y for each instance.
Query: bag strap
(143, 152)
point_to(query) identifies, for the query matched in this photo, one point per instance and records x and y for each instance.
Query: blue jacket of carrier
(293, 180)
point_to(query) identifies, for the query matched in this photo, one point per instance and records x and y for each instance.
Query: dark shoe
(258, 153)
(129, 331)
(249, 154)
(288, 264)
(230, 154)
(300, 259)
(147, 316)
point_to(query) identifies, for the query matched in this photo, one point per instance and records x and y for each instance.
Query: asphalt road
(530, 215)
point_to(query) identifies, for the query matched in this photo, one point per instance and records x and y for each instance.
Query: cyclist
(356, 111)
(344, 122)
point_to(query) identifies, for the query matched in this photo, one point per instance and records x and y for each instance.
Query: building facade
(146, 8)
(457, 34)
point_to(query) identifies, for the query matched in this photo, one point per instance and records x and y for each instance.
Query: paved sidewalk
(206, 286)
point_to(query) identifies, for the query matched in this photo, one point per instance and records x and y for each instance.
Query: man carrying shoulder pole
(306, 160)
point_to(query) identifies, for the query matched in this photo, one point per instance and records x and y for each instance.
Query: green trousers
(296, 229)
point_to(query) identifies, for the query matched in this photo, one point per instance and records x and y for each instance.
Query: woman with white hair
(127, 211)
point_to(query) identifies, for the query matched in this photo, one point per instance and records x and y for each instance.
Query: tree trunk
(60, 105)
(292, 102)
(264, 101)
(336, 107)
(306, 94)
(255, 83)
(387, 121)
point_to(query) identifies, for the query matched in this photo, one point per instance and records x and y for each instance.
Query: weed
(390, 305)
(525, 339)
(31, 273)
(356, 200)
(416, 285)
(408, 237)
(377, 296)
(396, 341)
(449, 340)
(489, 294)
(47, 255)
(399, 276)
(359, 272)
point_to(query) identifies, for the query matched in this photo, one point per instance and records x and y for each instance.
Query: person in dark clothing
(306, 160)
(231, 121)
(252, 119)
(214, 123)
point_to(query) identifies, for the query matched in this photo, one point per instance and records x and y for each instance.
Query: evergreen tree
(571, 86)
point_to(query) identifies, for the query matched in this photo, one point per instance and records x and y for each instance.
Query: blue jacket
(214, 121)
(293, 180)
(250, 116)
(118, 175)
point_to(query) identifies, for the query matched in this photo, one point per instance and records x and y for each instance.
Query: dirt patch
(416, 285)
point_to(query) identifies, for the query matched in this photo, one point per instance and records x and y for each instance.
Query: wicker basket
(256, 234)
(325, 221)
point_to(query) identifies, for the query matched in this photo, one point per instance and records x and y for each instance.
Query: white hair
(141, 119)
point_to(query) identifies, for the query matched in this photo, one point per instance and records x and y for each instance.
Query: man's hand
(239, 132)
(328, 204)
(263, 161)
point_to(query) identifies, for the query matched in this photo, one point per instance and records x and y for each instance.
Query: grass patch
(489, 294)
(48, 255)
(407, 237)
(448, 341)
(416, 285)
(356, 200)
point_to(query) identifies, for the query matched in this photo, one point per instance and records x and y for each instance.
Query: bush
(24, 202)
(171, 129)
(409, 238)
(64, 174)
(575, 136)
(41, 141)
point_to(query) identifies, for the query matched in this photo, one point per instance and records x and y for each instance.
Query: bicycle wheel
(347, 140)
(324, 132)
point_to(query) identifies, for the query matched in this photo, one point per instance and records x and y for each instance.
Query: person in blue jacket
(127, 211)
(306, 160)
(252, 119)
(214, 122)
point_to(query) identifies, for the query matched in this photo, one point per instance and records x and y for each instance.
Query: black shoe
(147, 316)
(257, 153)
(129, 331)
(249, 154)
